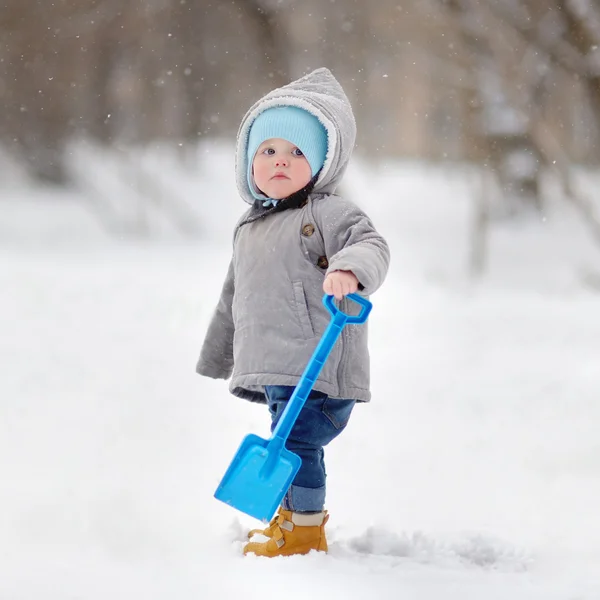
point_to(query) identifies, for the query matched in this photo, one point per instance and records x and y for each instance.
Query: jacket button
(322, 263)
(308, 230)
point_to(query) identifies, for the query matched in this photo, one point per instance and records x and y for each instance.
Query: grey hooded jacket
(270, 315)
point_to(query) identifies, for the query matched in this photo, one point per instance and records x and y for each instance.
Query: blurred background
(477, 158)
(97, 94)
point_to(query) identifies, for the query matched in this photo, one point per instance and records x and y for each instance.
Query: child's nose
(280, 161)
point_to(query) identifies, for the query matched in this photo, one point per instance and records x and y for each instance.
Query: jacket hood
(320, 94)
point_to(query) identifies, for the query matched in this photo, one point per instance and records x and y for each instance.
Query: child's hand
(340, 284)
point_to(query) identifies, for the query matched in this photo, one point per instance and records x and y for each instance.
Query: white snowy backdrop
(474, 473)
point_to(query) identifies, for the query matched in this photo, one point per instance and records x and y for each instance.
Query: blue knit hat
(293, 124)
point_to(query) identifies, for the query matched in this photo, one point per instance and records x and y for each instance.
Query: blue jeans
(321, 420)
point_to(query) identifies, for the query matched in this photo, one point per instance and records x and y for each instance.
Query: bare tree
(518, 50)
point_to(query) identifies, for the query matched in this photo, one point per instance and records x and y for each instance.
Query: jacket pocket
(302, 310)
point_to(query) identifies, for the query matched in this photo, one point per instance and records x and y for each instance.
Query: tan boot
(293, 533)
(267, 531)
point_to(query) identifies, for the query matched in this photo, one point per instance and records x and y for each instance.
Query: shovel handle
(316, 362)
(360, 318)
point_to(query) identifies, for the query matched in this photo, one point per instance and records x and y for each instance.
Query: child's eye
(269, 151)
(297, 152)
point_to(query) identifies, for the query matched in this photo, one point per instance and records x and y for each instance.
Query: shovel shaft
(315, 364)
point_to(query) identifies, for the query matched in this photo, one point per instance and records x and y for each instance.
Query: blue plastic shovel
(262, 471)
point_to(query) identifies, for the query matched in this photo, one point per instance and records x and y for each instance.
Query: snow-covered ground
(474, 473)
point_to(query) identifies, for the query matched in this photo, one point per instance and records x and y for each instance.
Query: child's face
(280, 168)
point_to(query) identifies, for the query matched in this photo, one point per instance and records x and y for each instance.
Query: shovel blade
(258, 477)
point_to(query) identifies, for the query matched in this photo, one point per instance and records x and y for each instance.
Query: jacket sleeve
(352, 243)
(216, 356)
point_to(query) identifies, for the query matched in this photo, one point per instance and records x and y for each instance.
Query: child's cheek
(257, 171)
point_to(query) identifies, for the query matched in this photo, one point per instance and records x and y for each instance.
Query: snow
(474, 472)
